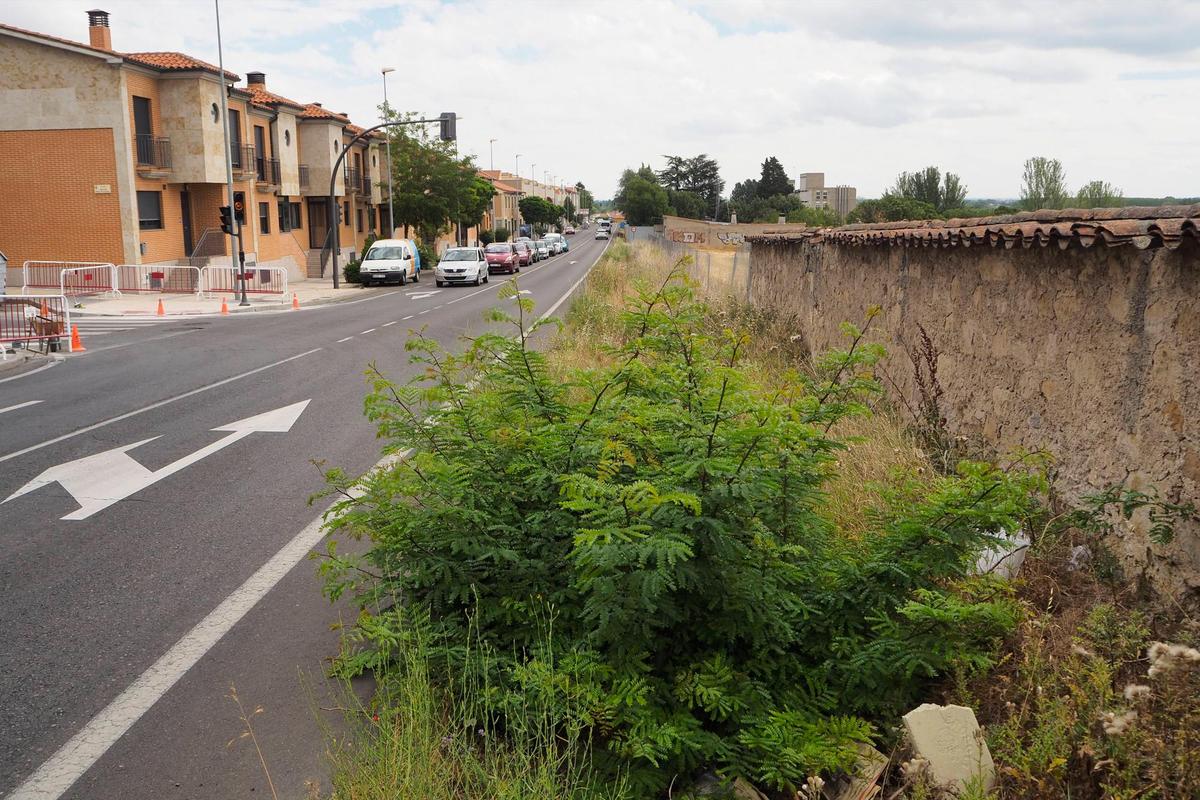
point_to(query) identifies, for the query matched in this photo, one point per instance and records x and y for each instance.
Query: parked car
(462, 265)
(543, 249)
(502, 257)
(559, 241)
(525, 252)
(569, 231)
(391, 260)
(517, 241)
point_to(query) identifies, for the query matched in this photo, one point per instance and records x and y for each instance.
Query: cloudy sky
(858, 90)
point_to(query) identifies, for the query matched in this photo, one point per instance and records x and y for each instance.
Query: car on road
(559, 241)
(391, 260)
(550, 244)
(544, 249)
(502, 257)
(462, 265)
(602, 233)
(517, 241)
(525, 252)
(569, 231)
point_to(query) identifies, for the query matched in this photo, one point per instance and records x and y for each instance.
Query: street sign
(97, 481)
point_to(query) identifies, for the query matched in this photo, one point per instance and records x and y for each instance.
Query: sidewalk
(310, 292)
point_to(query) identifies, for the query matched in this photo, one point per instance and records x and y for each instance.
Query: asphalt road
(122, 632)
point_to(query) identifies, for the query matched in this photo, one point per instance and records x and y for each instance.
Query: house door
(185, 209)
(318, 223)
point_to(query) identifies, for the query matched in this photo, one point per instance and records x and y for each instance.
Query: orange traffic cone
(162, 312)
(224, 308)
(76, 344)
(295, 302)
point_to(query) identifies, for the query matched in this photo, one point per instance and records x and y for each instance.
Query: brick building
(120, 157)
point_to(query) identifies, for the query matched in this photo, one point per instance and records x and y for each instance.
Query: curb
(272, 308)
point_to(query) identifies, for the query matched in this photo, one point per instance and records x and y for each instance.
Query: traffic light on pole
(226, 220)
(449, 125)
(239, 207)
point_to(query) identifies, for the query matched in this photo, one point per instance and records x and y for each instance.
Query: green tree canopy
(698, 175)
(641, 197)
(586, 199)
(538, 211)
(568, 208)
(1099, 194)
(774, 179)
(434, 187)
(686, 204)
(1043, 184)
(931, 187)
(892, 208)
(744, 191)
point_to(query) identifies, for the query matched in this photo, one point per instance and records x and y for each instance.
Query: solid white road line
(59, 772)
(348, 338)
(21, 405)
(31, 372)
(153, 406)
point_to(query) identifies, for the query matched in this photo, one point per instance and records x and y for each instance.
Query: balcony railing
(366, 183)
(354, 181)
(268, 170)
(242, 157)
(153, 152)
(304, 176)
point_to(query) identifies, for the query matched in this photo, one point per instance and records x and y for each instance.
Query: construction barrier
(259, 280)
(27, 318)
(70, 277)
(158, 278)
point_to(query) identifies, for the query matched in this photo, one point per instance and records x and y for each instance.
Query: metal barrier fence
(259, 280)
(158, 278)
(81, 277)
(29, 318)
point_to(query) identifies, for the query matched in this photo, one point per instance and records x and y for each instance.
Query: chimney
(256, 79)
(99, 34)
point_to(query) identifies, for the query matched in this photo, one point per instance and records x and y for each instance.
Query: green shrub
(429, 257)
(662, 512)
(486, 237)
(351, 271)
(501, 234)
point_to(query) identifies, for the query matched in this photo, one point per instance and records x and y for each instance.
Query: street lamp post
(517, 168)
(237, 226)
(491, 155)
(391, 187)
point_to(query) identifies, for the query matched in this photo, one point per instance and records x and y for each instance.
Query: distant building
(812, 191)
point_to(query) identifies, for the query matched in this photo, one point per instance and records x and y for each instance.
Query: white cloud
(860, 91)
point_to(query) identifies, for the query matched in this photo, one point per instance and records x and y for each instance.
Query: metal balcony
(267, 170)
(304, 176)
(242, 158)
(153, 154)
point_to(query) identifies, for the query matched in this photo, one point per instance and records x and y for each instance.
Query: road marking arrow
(423, 295)
(98, 481)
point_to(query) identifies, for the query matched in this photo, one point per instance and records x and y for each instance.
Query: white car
(554, 245)
(556, 241)
(462, 265)
(391, 259)
(602, 233)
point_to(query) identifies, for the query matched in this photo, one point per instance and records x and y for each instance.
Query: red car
(502, 257)
(526, 253)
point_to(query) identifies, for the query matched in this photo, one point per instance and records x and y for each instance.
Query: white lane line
(435, 308)
(31, 372)
(368, 330)
(393, 322)
(426, 311)
(153, 406)
(410, 316)
(348, 338)
(21, 405)
(59, 772)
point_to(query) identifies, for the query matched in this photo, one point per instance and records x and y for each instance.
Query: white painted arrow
(423, 295)
(98, 481)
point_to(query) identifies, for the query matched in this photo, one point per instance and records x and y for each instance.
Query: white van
(391, 260)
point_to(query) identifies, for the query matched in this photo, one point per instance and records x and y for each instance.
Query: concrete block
(948, 737)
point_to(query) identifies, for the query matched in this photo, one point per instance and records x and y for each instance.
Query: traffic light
(226, 220)
(239, 207)
(449, 123)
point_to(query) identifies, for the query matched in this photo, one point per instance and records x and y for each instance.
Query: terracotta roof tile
(176, 62)
(58, 39)
(1141, 226)
(504, 187)
(315, 111)
(264, 99)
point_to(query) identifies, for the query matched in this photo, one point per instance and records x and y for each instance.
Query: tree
(1044, 184)
(586, 200)
(929, 186)
(568, 208)
(1099, 194)
(774, 179)
(744, 191)
(892, 208)
(699, 175)
(434, 187)
(641, 197)
(686, 204)
(538, 211)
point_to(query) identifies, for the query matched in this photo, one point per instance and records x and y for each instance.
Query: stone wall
(1092, 353)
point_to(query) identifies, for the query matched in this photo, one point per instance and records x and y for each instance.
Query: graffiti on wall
(732, 238)
(687, 237)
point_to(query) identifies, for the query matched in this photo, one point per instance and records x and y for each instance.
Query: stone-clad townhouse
(120, 157)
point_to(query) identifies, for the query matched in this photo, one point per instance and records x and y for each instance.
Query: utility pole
(491, 155)
(237, 226)
(517, 168)
(391, 187)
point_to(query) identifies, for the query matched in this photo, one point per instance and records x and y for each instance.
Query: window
(296, 221)
(358, 219)
(287, 138)
(216, 113)
(370, 219)
(264, 217)
(346, 213)
(150, 211)
(285, 217)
